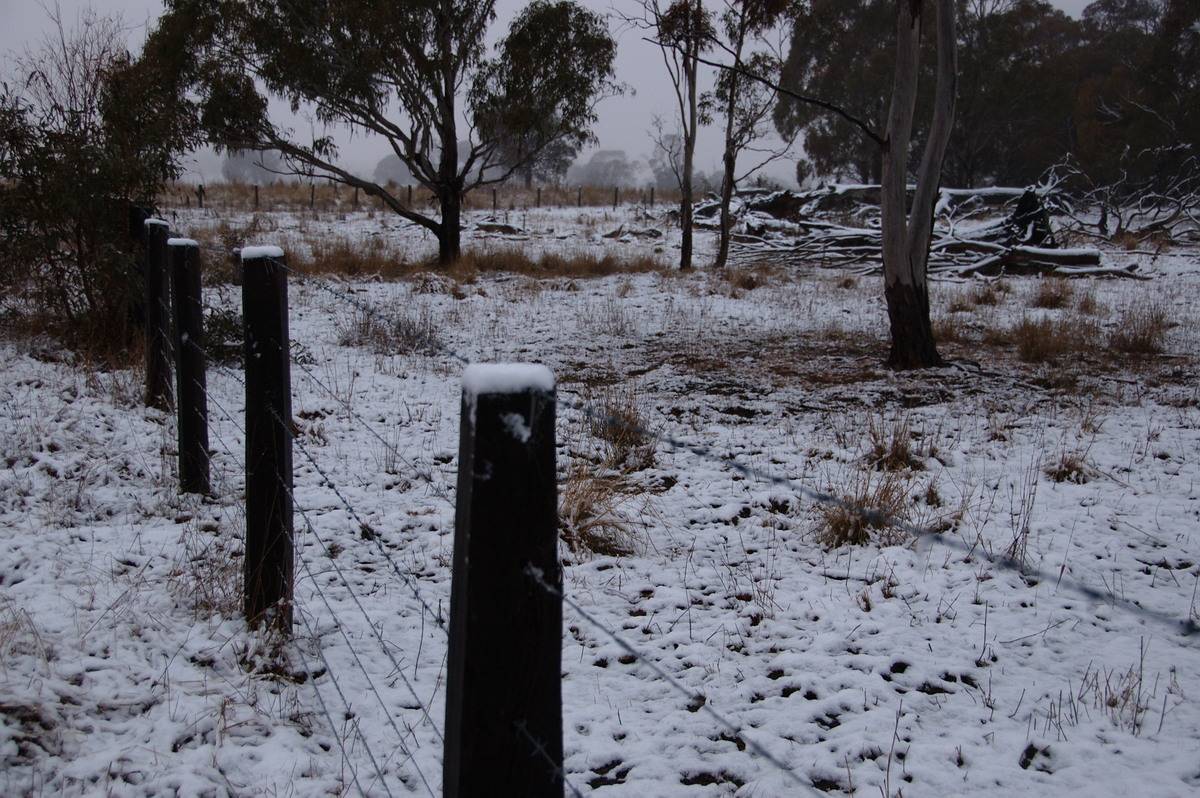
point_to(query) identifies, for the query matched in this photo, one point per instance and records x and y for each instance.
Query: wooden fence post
(579, 197)
(504, 667)
(158, 297)
(269, 546)
(616, 194)
(651, 196)
(191, 382)
(539, 196)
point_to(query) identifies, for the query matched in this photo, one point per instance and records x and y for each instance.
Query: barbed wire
(540, 749)
(389, 447)
(364, 527)
(341, 628)
(346, 582)
(694, 699)
(325, 707)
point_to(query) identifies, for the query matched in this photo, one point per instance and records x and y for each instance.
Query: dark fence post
(191, 381)
(269, 547)
(651, 196)
(616, 194)
(158, 297)
(579, 197)
(539, 196)
(504, 667)
(493, 199)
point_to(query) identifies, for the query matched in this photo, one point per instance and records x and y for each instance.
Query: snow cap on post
(254, 253)
(489, 378)
(181, 242)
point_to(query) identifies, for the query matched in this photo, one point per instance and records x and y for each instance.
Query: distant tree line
(1035, 88)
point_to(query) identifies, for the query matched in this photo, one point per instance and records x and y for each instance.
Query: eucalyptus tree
(906, 228)
(682, 30)
(410, 72)
(745, 104)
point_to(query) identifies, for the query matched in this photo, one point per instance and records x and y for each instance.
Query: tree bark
(729, 159)
(907, 233)
(690, 68)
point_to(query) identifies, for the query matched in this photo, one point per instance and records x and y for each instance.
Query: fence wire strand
(341, 575)
(350, 645)
(694, 698)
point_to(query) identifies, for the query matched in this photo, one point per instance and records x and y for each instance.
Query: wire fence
(383, 771)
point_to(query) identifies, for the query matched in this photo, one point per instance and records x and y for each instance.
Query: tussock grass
(408, 333)
(870, 501)
(891, 445)
(601, 493)
(1141, 330)
(1046, 340)
(1052, 293)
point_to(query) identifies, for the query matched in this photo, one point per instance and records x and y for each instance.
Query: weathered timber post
(158, 321)
(191, 381)
(616, 194)
(539, 196)
(504, 682)
(269, 547)
(651, 196)
(256, 197)
(579, 197)
(494, 203)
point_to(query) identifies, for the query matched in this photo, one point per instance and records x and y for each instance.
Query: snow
(505, 378)
(181, 242)
(254, 253)
(926, 669)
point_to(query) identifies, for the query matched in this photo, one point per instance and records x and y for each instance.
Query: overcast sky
(624, 124)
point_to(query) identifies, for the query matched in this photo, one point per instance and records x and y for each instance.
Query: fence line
(400, 736)
(329, 716)
(924, 538)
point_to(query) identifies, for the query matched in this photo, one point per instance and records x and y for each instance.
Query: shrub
(82, 140)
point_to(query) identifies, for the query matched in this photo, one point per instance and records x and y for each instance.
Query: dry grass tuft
(1052, 293)
(866, 515)
(401, 334)
(1047, 340)
(891, 445)
(590, 516)
(1141, 330)
(603, 478)
(1069, 466)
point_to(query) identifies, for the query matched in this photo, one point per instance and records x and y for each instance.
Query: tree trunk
(449, 232)
(729, 160)
(912, 334)
(690, 66)
(906, 234)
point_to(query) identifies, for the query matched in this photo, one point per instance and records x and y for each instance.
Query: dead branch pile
(989, 232)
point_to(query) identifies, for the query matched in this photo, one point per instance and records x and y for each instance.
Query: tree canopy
(397, 70)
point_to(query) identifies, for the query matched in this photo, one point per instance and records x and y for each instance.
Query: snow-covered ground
(922, 668)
